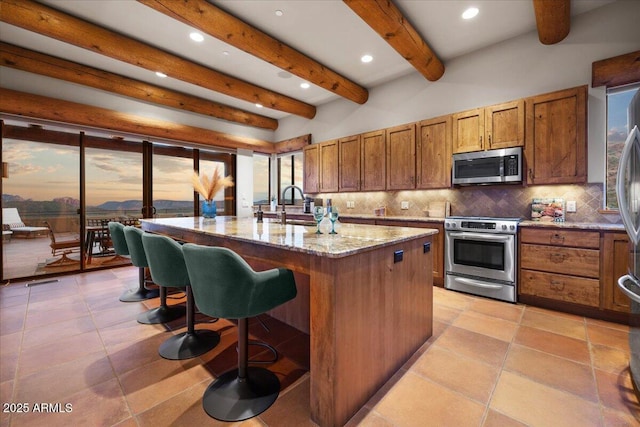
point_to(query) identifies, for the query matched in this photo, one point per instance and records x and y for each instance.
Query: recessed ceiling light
(366, 58)
(305, 85)
(285, 75)
(161, 74)
(258, 105)
(196, 37)
(470, 13)
(279, 12)
(225, 53)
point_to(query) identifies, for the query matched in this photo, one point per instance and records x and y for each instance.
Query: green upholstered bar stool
(140, 256)
(116, 230)
(168, 269)
(225, 286)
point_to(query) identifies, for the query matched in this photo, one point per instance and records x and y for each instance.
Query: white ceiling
(326, 30)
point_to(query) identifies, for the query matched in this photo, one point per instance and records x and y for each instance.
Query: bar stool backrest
(116, 230)
(133, 236)
(166, 261)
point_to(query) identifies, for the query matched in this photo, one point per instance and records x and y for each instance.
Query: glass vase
(209, 209)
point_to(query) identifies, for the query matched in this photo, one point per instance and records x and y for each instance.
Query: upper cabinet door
(401, 157)
(373, 166)
(311, 155)
(468, 131)
(556, 137)
(329, 166)
(433, 153)
(504, 125)
(349, 173)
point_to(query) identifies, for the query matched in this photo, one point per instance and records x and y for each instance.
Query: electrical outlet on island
(571, 205)
(404, 205)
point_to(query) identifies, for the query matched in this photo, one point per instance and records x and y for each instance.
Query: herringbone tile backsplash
(509, 201)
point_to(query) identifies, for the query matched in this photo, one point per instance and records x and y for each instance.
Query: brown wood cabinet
(562, 265)
(437, 244)
(504, 125)
(433, 153)
(373, 165)
(311, 161)
(556, 137)
(489, 128)
(615, 258)
(401, 157)
(349, 163)
(329, 166)
(468, 131)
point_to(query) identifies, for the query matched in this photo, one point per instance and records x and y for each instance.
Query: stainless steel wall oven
(480, 256)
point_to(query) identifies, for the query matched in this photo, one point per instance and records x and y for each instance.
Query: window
(620, 104)
(290, 173)
(261, 173)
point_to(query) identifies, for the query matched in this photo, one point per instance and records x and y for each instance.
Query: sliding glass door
(40, 206)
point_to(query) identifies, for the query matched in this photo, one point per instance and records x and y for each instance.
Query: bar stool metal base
(188, 345)
(139, 294)
(161, 314)
(230, 398)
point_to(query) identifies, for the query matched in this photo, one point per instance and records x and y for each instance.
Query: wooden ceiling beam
(216, 22)
(292, 144)
(40, 107)
(387, 20)
(553, 19)
(57, 68)
(617, 71)
(52, 23)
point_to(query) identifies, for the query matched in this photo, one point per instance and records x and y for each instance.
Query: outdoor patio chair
(11, 217)
(62, 246)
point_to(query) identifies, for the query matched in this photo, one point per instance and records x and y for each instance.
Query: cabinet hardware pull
(556, 285)
(557, 258)
(558, 237)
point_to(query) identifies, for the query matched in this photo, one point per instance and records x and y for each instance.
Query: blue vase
(209, 209)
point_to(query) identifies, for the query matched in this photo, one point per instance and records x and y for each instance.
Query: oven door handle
(482, 236)
(477, 283)
(628, 292)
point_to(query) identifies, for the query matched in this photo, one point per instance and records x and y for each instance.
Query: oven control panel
(483, 225)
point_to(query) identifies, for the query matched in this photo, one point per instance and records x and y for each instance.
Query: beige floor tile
(292, 407)
(452, 299)
(549, 342)
(616, 392)
(609, 359)
(415, 401)
(444, 313)
(474, 345)
(498, 309)
(156, 382)
(568, 325)
(464, 375)
(372, 419)
(608, 336)
(553, 371)
(496, 419)
(481, 323)
(536, 404)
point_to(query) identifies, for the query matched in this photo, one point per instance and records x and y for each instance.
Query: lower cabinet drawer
(571, 261)
(560, 287)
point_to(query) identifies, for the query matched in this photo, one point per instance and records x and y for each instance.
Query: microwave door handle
(628, 292)
(482, 236)
(623, 203)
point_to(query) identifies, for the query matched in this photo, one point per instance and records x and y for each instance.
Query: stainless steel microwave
(488, 167)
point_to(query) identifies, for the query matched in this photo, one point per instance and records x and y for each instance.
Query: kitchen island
(364, 297)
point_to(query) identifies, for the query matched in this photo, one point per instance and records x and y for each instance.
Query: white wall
(513, 69)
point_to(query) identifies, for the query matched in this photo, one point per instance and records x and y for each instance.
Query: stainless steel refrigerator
(628, 193)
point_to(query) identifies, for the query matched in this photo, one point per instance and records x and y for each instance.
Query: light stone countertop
(351, 238)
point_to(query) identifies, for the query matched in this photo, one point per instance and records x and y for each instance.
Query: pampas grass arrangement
(208, 188)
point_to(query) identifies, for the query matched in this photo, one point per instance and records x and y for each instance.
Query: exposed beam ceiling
(225, 27)
(617, 71)
(34, 62)
(36, 17)
(553, 19)
(387, 20)
(41, 107)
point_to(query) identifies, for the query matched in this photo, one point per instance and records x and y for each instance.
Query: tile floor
(488, 364)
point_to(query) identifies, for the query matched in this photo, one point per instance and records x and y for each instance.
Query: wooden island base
(365, 314)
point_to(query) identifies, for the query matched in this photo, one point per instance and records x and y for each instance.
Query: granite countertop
(597, 226)
(351, 238)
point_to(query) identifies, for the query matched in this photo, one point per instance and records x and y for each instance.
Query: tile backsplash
(493, 201)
